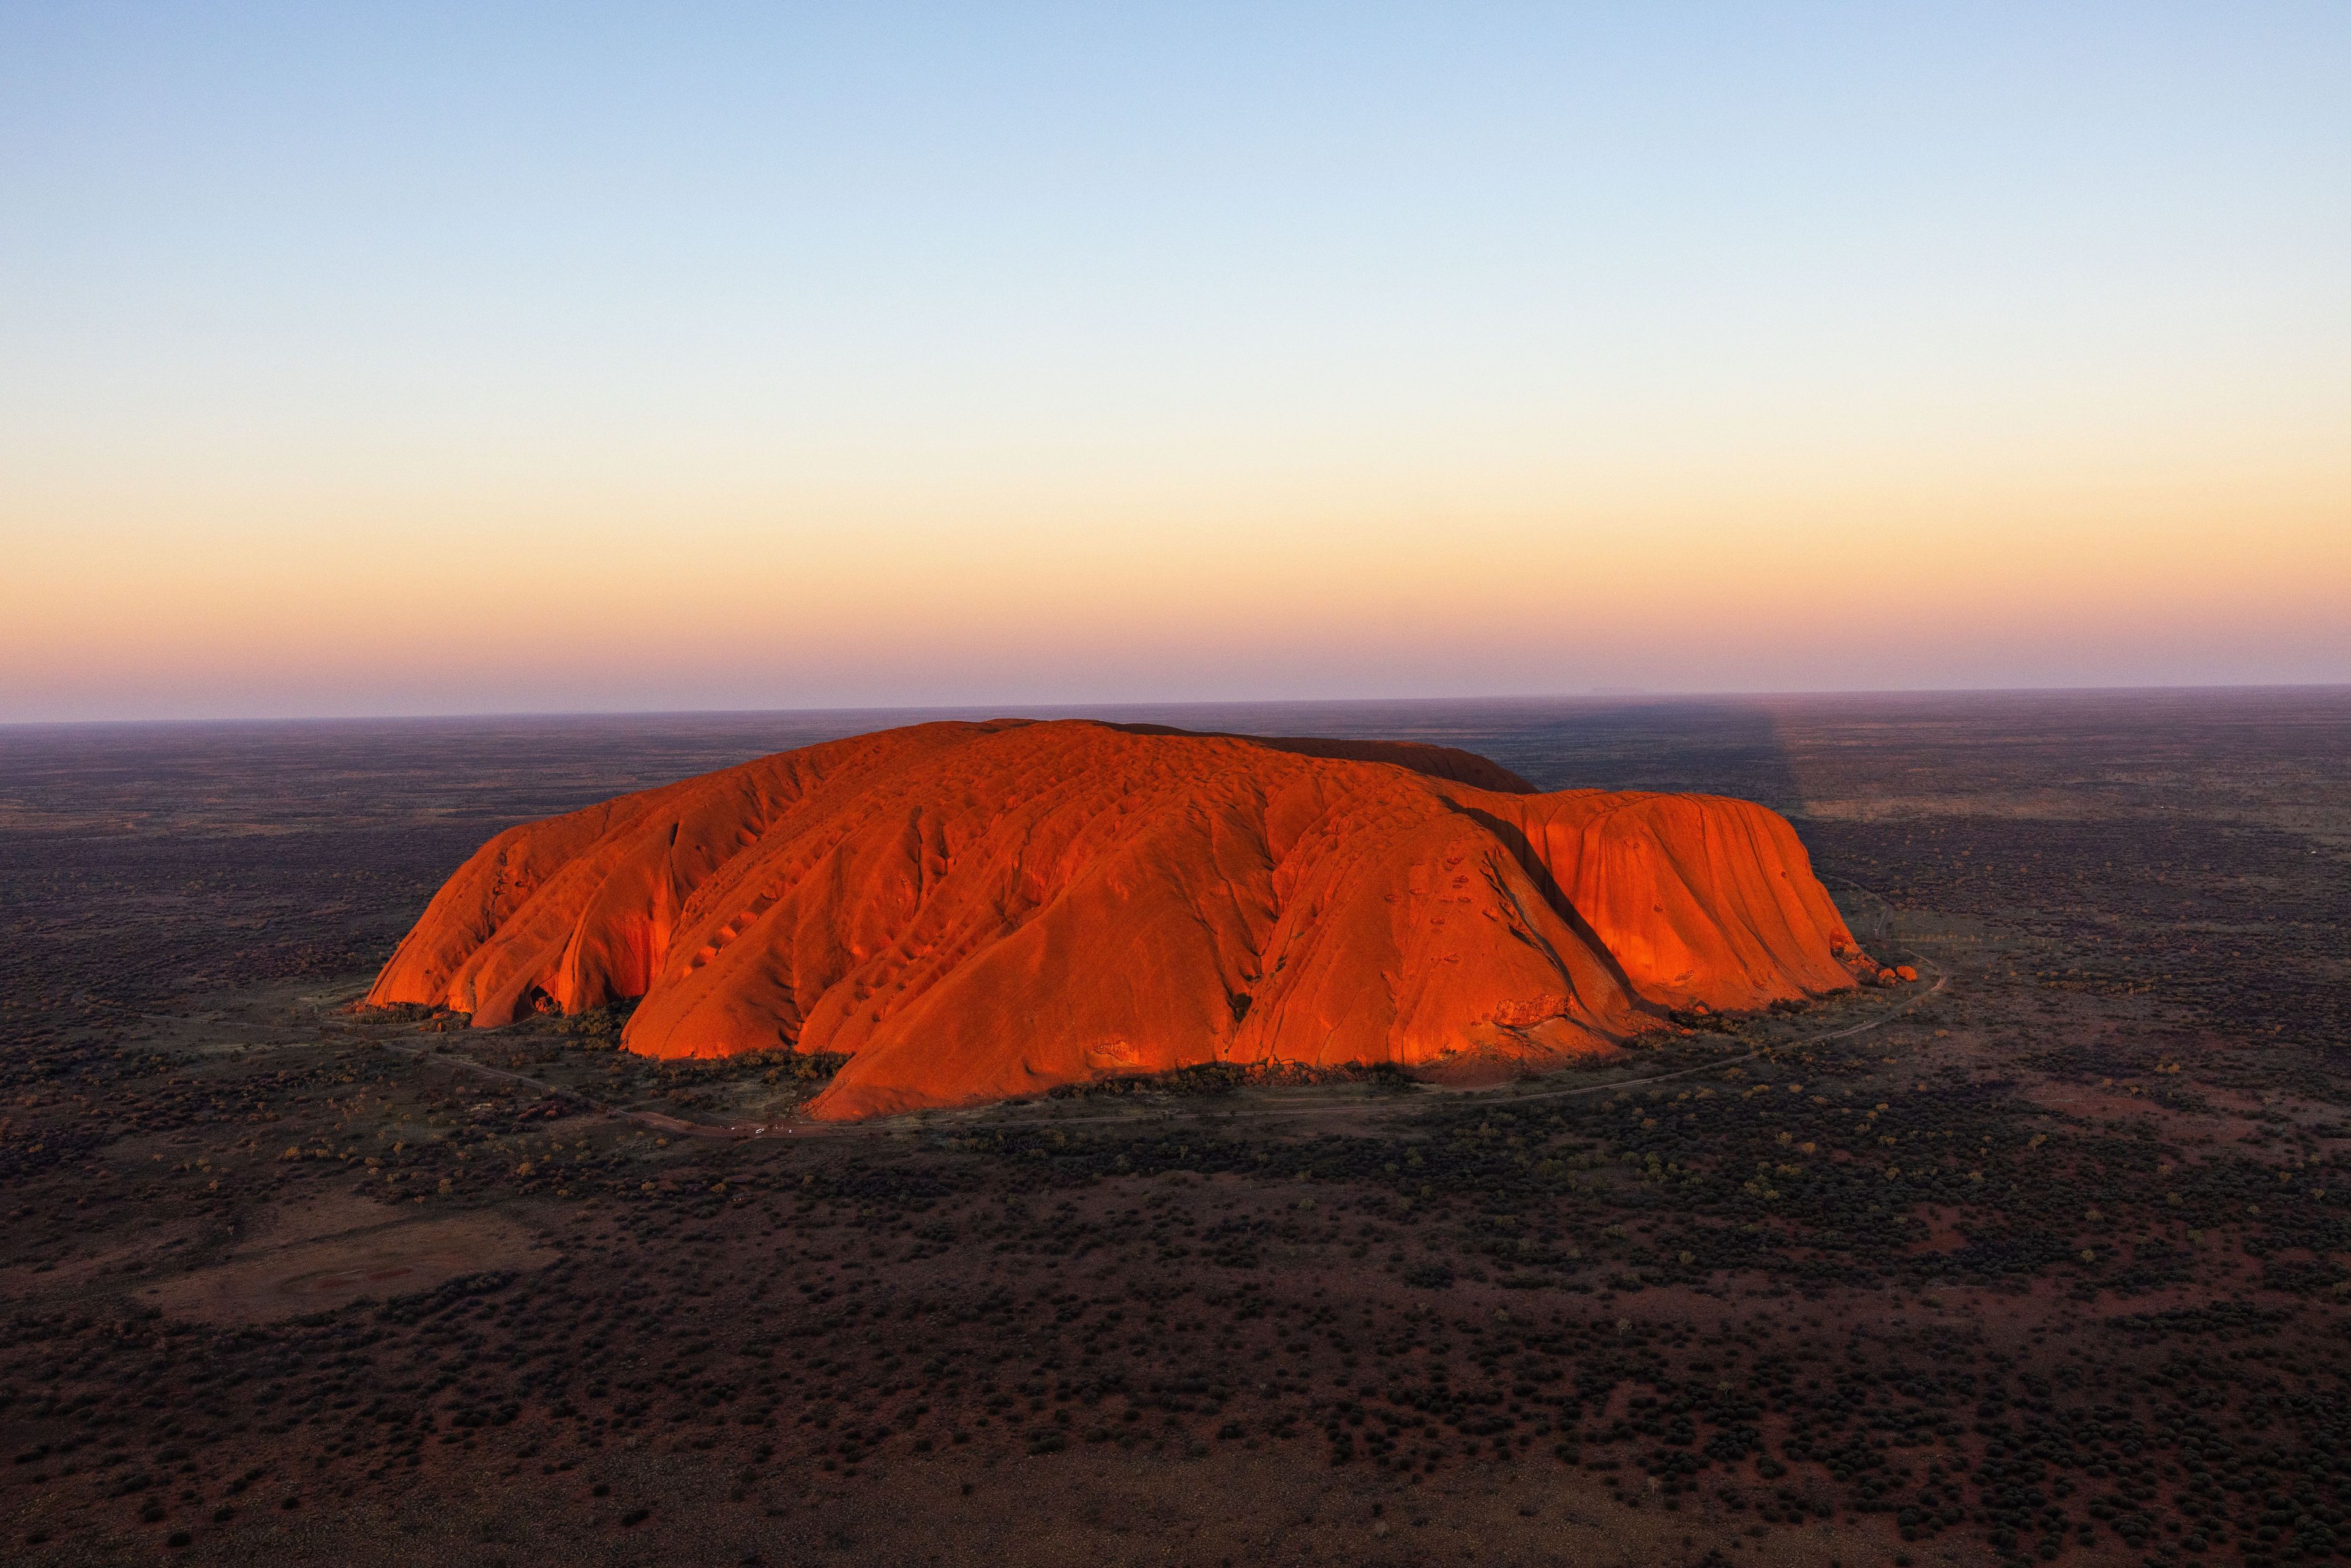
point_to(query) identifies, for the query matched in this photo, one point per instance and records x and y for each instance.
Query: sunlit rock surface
(977, 911)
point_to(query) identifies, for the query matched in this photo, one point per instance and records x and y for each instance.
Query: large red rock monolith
(977, 911)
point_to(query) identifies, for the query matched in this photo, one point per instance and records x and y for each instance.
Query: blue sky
(928, 312)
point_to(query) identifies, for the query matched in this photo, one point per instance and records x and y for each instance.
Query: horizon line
(1081, 709)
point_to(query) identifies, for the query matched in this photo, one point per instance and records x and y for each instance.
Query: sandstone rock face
(977, 911)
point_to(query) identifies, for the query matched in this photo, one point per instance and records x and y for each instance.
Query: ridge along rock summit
(972, 911)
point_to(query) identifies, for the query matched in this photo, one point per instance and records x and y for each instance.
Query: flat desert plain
(2041, 1257)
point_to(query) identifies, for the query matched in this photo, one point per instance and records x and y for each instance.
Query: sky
(406, 360)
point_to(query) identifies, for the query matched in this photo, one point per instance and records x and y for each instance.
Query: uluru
(970, 912)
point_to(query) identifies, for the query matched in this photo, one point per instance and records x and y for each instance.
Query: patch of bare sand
(311, 1256)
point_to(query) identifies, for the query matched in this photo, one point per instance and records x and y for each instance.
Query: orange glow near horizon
(815, 601)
